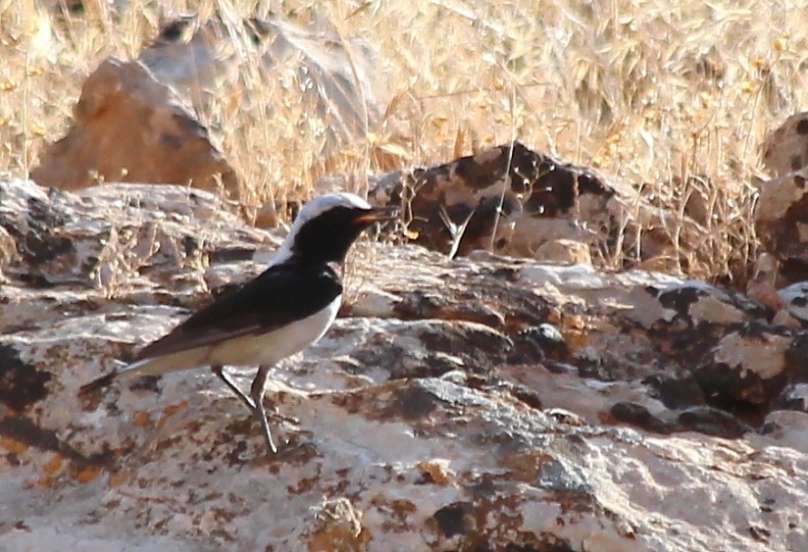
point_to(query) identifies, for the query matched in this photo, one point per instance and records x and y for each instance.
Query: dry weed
(673, 95)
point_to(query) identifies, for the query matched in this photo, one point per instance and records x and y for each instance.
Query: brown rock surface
(514, 200)
(480, 403)
(782, 223)
(130, 127)
(786, 149)
(480, 201)
(781, 218)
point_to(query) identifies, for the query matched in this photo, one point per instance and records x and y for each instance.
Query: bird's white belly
(269, 348)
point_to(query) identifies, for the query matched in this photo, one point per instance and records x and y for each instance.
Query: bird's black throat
(327, 237)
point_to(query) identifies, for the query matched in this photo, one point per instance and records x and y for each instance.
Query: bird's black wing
(280, 295)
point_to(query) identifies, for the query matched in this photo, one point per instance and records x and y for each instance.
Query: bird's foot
(222, 375)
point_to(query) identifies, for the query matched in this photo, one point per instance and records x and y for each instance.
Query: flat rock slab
(106, 233)
(482, 403)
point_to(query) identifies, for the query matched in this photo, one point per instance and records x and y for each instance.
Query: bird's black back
(282, 294)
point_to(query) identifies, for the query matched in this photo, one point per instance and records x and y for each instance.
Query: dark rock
(638, 415)
(780, 220)
(21, 385)
(471, 193)
(713, 421)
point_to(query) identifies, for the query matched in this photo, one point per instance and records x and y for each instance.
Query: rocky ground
(564, 391)
(480, 403)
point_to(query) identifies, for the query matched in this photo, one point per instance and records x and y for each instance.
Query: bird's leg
(219, 371)
(257, 394)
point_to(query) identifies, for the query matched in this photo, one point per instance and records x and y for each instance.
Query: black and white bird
(279, 313)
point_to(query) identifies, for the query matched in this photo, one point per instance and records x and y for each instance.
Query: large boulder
(141, 120)
(513, 200)
(130, 127)
(781, 218)
(785, 149)
(110, 233)
(481, 403)
(781, 221)
(334, 80)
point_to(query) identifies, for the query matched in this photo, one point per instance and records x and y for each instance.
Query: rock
(105, 235)
(563, 252)
(475, 403)
(8, 250)
(795, 300)
(790, 429)
(130, 127)
(762, 287)
(507, 199)
(515, 201)
(331, 77)
(785, 150)
(781, 221)
(795, 397)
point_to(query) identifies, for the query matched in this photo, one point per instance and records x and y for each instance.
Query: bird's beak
(375, 214)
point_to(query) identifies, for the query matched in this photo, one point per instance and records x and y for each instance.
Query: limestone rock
(104, 235)
(786, 149)
(130, 127)
(513, 200)
(781, 221)
(475, 403)
(206, 60)
(478, 202)
(563, 252)
(795, 300)
(762, 287)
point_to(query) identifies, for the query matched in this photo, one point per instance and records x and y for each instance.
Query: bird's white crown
(320, 204)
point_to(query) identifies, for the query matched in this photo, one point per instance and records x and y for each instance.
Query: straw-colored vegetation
(674, 95)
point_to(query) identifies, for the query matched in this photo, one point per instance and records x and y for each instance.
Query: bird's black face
(328, 236)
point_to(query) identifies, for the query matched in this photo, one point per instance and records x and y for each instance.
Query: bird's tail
(154, 366)
(98, 384)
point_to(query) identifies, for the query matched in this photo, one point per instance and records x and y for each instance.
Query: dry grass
(676, 95)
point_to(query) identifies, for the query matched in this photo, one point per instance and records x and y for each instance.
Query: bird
(281, 312)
